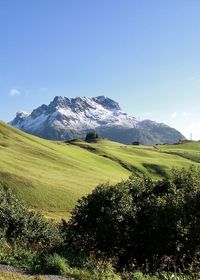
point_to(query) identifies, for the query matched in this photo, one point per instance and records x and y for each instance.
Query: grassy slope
(188, 150)
(155, 161)
(51, 176)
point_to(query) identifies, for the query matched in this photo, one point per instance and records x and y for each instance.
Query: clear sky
(145, 54)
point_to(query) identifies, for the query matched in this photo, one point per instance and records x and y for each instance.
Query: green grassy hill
(48, 175)
(51, 176)
(188, 150)
(155, 161)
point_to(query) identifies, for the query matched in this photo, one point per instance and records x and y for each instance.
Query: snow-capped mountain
(66, 118)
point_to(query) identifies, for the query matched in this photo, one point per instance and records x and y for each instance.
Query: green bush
(141, 223)
(55, 264)
(95, 274)
(28, 228)
(14, 254)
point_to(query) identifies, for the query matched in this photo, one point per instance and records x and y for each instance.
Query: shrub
(55, 264)
(140, 222)
(14, 254)
(26, 227)
(42, 234)
(95, 274)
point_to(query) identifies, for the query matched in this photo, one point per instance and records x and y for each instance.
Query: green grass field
(188, 150)
(52, 176)
(155, 161)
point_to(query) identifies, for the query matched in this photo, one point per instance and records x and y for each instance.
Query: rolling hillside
(51, 176)
(153, 160)
(188, 150)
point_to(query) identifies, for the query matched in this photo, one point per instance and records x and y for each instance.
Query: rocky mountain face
(67, 118)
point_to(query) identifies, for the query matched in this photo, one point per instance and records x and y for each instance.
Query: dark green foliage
(141, 222)
(15, 254)
(27, 227)
(91, 136)
(136, 143)
(55, 264)
(137, 224)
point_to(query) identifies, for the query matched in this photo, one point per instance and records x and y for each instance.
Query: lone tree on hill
(136, 143)
(91, 136)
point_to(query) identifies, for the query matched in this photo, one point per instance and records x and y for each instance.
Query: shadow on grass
(156, 169)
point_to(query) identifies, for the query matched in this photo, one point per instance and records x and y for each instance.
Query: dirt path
(8, 268)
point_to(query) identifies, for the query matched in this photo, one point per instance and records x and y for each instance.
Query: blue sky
(145, 54)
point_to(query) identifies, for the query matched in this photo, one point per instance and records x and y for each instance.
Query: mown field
(52, 176)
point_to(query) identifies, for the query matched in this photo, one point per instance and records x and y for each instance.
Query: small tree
(91, 136)
(136, 143)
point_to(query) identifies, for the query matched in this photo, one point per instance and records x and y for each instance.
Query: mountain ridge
(67, 118)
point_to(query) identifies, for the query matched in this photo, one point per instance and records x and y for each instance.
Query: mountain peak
(22, 114)
(66, 118)
(20, 117)
(62, 101)
(107, 102)
(82, 103)
(58, 99)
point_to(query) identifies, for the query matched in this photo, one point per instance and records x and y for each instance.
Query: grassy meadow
(155, 161)
(52, 176)
(48, 175)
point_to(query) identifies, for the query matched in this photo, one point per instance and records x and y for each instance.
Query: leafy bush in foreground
(16, 255)
(55, 264)
(141, 223)
(29, 228)
(137, 225)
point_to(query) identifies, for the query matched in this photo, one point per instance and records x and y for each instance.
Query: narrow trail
(8, 268)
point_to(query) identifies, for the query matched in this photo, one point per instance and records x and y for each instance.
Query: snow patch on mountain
(77, 114)
(66, 118)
